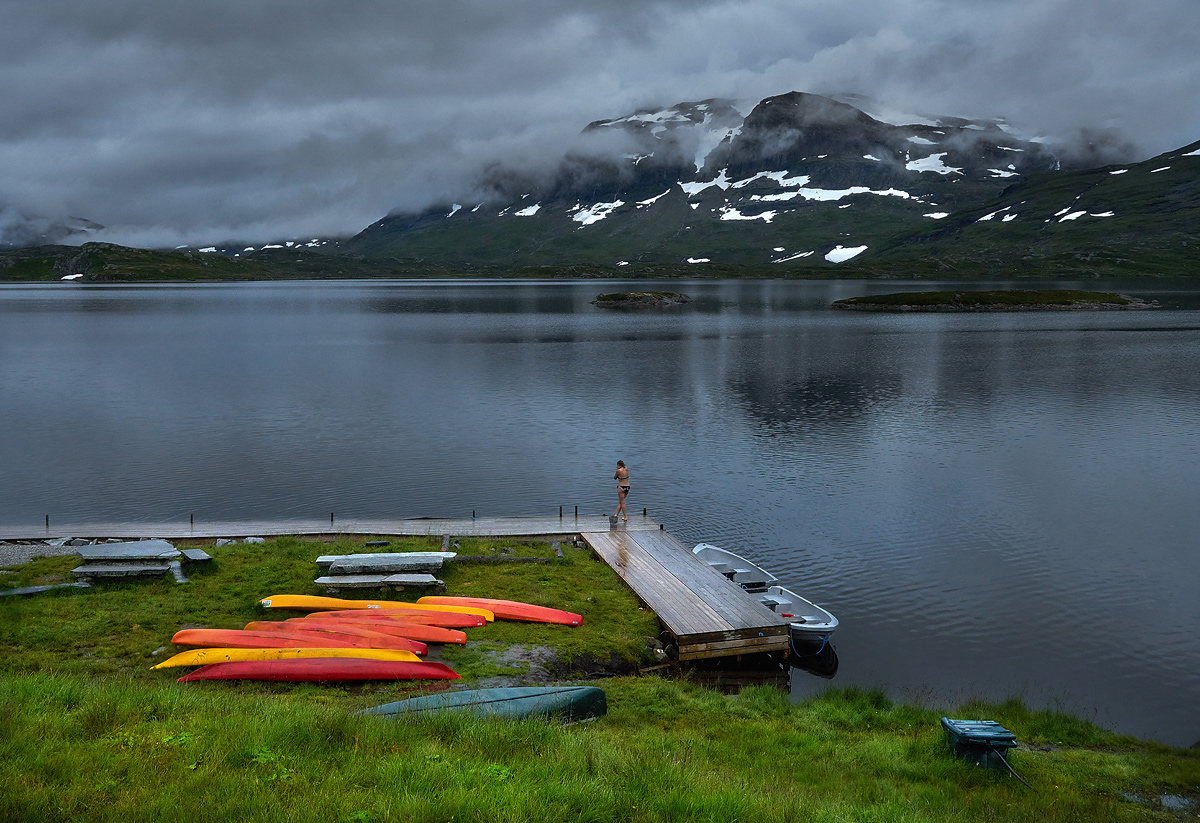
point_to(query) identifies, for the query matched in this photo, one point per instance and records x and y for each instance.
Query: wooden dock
(707, 615)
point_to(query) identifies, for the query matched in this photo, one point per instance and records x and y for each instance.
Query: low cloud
(262, 119)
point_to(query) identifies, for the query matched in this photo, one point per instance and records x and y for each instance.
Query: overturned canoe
(411, 631)
(506, 609)
(571, 703)
(378, 640)
(203, 657)
(309, 602)
(323, 670)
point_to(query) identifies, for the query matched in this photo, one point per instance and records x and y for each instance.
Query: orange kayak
(447, 620)
(507, 609)
(378, 640)
(317, 603)
(412, 631)
(238, 639)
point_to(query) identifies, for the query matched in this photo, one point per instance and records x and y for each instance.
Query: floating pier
(706, 614)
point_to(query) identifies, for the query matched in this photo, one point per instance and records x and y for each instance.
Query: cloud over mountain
(175, 123)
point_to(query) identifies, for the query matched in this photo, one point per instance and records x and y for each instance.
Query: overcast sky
(194, 122)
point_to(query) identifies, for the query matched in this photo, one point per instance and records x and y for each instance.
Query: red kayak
(411, 631)
(323, 670)
(377, 640)
(508, 609)
(238, 639)
(447, 620)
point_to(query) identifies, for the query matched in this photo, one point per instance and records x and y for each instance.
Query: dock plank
(725, 596)
(708, 615)
(680, 609)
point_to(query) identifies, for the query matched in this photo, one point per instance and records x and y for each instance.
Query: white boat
(808, 621)
(737, 568)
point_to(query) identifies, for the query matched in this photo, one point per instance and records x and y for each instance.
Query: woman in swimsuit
(622, 478)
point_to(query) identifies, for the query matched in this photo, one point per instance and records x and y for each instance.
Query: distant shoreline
(1012, 300)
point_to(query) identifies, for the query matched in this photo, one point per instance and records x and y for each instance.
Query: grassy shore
(89, 732)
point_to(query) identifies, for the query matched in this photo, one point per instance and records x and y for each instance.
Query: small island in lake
(640, 300)
(989, 301)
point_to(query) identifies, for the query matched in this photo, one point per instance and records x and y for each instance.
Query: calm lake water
(993, 505)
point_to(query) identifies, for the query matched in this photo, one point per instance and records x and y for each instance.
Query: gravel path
(14, 554)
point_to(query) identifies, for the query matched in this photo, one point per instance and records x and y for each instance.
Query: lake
(992, 504)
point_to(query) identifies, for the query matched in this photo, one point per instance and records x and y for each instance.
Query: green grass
(118, 628)
(79, 747)
(89, 732)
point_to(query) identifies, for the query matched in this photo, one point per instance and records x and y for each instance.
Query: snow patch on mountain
(841, 254)
(932, 163)
(529, 211)
(596, 213)
(799, 256)
(731, 213)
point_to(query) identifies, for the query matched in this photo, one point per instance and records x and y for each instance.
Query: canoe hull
(322, 670)
(414, 631)
(376, 640)
(203, 657)
(307, 602)
(570, 703)
(446, 620)
(507, 609)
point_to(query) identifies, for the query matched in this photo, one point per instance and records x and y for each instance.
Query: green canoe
(571, 703)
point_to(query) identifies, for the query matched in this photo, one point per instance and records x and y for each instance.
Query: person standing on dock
(622, 478)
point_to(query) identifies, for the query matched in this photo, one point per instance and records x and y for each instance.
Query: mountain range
(802, 185)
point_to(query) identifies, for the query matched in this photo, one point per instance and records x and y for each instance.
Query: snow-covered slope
(799, 180)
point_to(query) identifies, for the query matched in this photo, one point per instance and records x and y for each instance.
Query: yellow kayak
(202, 657)
(317, 603)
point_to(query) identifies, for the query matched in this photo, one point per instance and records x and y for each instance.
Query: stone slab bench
(385, 564)
(327, 560)
(422, 582)
(195, 555)
(128, 552)
(24, 590)
(116, 571)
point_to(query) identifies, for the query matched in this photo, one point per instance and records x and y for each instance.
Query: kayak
(202, 657)
(411, 631)
(318, 603)
(447, 620)
(323, 670)
(378, 640)
(507, 609)
(571, 703)
(237, 638)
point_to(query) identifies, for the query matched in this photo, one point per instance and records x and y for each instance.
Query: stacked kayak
(322, 670)
(203, 657)
(350, 640)
(571, 703)
(506, 609)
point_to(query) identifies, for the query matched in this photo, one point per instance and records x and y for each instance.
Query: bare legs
(622, 491)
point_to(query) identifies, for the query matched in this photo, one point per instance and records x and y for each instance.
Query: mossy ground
(89, 732)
